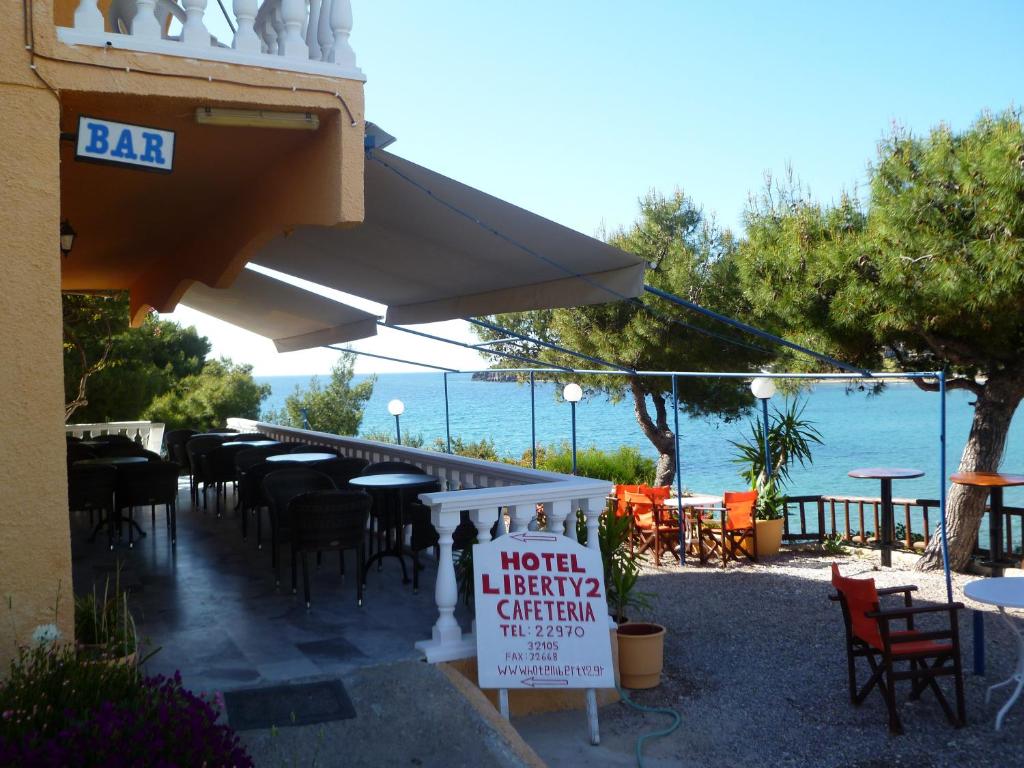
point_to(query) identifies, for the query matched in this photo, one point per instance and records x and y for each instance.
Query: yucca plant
(104, 626)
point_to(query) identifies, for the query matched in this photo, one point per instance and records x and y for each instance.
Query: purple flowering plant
(59, 709)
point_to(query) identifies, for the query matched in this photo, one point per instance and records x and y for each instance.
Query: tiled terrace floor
(210, 604)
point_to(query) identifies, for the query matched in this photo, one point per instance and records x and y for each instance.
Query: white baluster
(245, 35)
(278, 21)
(592, 509)
(324, 35)
(557, 512)
(312, 30)
(446, 629)
(570, 523)
(88, 17)
(341, 26)
(521, 514)
(145, 24)
(194, 33)
(483, 523)
(293, 14)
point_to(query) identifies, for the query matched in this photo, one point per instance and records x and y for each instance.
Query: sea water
(897, 428)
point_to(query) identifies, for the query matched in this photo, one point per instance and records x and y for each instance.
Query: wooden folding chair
(736, 534)
(869, 635)
(657, 528)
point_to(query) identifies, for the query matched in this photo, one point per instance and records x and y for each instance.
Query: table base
(1018, 675)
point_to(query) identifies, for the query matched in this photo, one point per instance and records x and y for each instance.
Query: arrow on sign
(530, 536)
(543, 682)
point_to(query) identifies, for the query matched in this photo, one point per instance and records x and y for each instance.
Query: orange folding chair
(736, 534)
(657, 528)
(931, 654)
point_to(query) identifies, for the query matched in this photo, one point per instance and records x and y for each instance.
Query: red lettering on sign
(595, 588)
(487, 588)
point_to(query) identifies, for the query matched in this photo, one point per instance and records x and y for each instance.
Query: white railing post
(313, 30)
(341, 27)
(245, 35)
(278, 23)
(88, 17)
(557, 512)
(521, 515)
(446, 642)
(194, 32)
(592, 509)
(293, 16)
(324, 35)
(144, 24)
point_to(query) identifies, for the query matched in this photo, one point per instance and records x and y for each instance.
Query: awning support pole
(447, 417)
(679, 474)
(533, 422)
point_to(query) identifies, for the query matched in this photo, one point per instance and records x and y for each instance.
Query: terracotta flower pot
(641, 654)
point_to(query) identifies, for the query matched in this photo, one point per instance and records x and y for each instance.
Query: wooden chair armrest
(899, 613)
(896, 590)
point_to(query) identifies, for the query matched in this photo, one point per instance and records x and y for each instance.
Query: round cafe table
(886, 475)
(115, 461)
(300, 458)
(253, 443)
(393, 515)
(1003, 593)
(995, 482)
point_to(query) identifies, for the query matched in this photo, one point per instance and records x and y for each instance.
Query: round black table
(886, 475)
(301, 458)
(254, 443)
(400, 483)
(115, 461)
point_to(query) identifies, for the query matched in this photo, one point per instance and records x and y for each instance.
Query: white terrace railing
(484, 490)
(311, 37)
(149, 434)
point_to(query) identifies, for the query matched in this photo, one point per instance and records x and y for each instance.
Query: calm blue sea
(897, 428)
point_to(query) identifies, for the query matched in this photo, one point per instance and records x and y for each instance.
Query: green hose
(677, 720)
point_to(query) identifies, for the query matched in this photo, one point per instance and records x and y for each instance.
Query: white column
(313, 30)
(88, 17)
(324, 35)
(278, 24)
(557, 512)
(145, 24)
(245, 36)
(293, 15)
(521, 514)
(446, 637)
(341, 26)
(592, 509)
(483, 523)
(194, 33)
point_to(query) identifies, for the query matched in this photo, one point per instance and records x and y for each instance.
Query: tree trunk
(657, 431)
(983, 452)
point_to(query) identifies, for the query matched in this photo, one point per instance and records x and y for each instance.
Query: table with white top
(1003, 593)
(693, 501)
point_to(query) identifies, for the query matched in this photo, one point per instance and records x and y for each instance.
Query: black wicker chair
(219, 469)
(195, 449)
(91, 489)
(78, 452)
(329, 520)
(341, 470)
(279, 488)
(174, 444)
(149, 484)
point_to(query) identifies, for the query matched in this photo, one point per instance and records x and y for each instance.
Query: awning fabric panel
(293, 317)
(428, 262)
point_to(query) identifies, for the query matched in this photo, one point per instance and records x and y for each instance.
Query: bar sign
(136, 146)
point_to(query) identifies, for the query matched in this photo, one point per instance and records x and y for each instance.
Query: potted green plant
(104, 627)
(640, 644)
(790, 438)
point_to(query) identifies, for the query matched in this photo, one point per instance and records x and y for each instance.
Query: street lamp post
(763, 388)
(573, 393)
(396, 408)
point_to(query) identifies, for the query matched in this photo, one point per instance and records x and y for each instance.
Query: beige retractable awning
(293, 317)
(428, 262)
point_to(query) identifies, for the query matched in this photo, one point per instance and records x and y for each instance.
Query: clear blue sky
(574, 109)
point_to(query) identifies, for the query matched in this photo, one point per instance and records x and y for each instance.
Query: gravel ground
(754, 663)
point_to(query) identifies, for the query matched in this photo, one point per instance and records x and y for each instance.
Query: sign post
(542, 617)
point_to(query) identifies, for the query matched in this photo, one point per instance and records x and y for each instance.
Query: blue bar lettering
(98, 144)
(152, 152)
(124, 146)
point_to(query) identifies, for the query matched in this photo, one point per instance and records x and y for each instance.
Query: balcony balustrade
(310, 37)
(149, 434)
(487, 491)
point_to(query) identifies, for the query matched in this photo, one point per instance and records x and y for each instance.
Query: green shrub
(624, 465)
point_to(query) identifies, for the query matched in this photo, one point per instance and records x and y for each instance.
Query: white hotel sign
(135, 146)
(541, 614)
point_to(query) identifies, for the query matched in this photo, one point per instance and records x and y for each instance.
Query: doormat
(287, 705)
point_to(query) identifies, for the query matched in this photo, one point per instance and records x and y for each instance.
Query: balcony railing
(487, 491)
(149, 434)
(306, 37)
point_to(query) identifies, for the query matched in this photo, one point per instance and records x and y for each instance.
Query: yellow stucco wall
(35, 554)
(321, 183)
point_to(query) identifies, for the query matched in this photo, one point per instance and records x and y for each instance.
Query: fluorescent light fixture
(257, 118)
